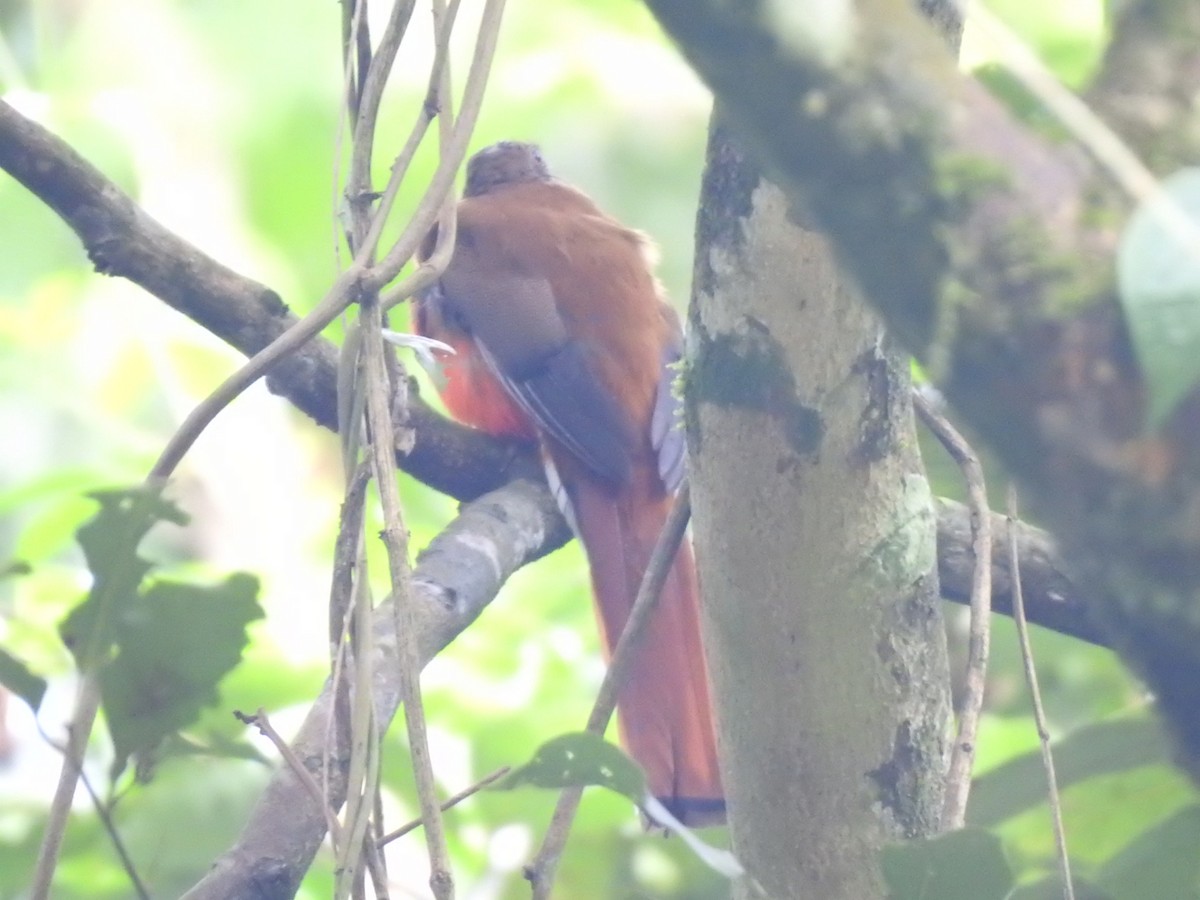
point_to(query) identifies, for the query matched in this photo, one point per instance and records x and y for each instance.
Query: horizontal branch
(1052, 599)
(122, 240)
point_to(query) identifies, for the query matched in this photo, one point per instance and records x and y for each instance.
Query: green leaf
(965, 863)
(1158, 275)
(175, 642)
(15, 567)
(581, 759)
(15, 676)
(578, 760)
(218, 747)
(1161, 863)
(110, 540)
(1069, 37)
(1111, 746)
(1052, 889)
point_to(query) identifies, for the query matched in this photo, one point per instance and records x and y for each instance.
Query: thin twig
(260, 721)
(1039, 714)
(540, 872)
(356, 51)
(362, 778)
(348, 563)
(375, 858)
(331, 306)
(345, 556)
(437, 99)
(447, 804)
(395, 538)
(366, 113)
(444, 17)
(358, 279)
(356, 62)
(357, 640)
(110, 828)
(352, 713)
(439, 95)
(962, 758)
(83, 717)
(451, 157)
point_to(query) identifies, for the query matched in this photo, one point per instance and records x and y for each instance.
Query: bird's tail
(665, 712)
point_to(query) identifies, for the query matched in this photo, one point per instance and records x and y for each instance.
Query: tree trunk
(815, 542)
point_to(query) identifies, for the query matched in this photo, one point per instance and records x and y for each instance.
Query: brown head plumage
(508, 162)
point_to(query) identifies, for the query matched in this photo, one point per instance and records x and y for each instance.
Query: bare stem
(366, 112)
(1039, 713)
(452, 155)
(395, 538)
(449, 803)
(83, 717)
(110, 828)
(962, 758)
(330, 307)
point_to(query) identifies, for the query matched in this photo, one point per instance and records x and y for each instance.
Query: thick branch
(1052, 599)
(989, 252)
(455, 578)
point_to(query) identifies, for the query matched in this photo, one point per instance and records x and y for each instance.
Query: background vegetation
(221, 119)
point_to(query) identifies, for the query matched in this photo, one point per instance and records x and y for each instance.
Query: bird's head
(508, 162)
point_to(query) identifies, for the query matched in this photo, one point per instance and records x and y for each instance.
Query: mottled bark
(989, 251)
(815, 542)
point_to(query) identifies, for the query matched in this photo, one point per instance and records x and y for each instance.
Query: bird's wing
(514, 321)
(666, 426)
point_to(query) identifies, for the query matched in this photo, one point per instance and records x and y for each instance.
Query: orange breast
(475, 397)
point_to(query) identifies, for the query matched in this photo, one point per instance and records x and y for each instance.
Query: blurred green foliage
(222, 119)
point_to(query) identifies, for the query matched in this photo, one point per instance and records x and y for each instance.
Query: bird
(563, 339)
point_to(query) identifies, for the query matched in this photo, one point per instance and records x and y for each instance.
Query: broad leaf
(110, 541)
(175, 642)
(582, 759)
(579, 760)
(1052, 889)
(951, 866)
(15, 676)
(1158, 273)
(1087, 752)
(1161, 863)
